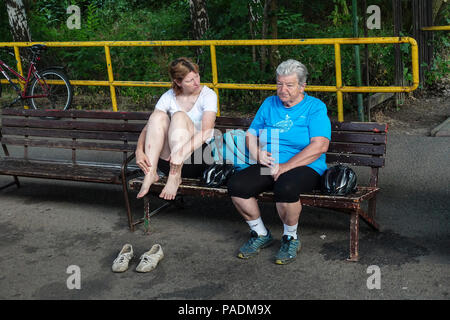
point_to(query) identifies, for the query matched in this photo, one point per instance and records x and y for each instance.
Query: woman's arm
(317, 146)
(141, 159)
(261, 156)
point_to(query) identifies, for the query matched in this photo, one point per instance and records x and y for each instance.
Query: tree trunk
(18, 20)
(265, 27)
(437, 4)
(199, 18)
(254, 7)
(274, 55)
(263, 19)
(200, 22)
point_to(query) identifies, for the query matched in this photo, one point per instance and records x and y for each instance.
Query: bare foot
(173, 182)
(170, 190)
(150, 178)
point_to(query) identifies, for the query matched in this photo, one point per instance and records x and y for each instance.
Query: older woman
(288, 138)
(183, 120)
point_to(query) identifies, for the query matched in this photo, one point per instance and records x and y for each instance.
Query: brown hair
(178, 69)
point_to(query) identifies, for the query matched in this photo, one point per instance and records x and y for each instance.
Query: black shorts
(192, 167)
(250, 182)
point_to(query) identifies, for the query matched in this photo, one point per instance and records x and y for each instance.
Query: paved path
(46, 226)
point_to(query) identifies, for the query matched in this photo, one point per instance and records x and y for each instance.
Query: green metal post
(357, 61)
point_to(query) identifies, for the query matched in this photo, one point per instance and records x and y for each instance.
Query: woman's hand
(177, 157)
(278, 169)
(265, 158)
(142, 161)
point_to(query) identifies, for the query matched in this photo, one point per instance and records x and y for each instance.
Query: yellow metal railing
(339, 88)
(436, 28)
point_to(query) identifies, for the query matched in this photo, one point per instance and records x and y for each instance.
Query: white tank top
(206, 101)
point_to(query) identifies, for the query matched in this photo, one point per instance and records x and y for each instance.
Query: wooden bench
(352, 143)
(84, 135)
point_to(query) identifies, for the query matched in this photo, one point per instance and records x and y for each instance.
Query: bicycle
(46, 89)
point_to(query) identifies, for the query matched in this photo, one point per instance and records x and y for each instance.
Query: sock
(258, 226)
(290, 230)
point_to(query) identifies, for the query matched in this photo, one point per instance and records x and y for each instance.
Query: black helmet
(217, 174)
(339, 180)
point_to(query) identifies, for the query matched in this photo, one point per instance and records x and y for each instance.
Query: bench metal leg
(16, 182)
(128, 207)
(178, 202)
(371, 213)
(354, 236)
(148, 213)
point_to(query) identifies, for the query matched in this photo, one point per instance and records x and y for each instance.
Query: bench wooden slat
(335, 125)
(69, 134)
(354, 160)
(233, 122)
(367, 149)
(60, 170)
(67, 144)
(337, 136)
(106, 114)
(193, 187)
(359, 126)
(72, 124)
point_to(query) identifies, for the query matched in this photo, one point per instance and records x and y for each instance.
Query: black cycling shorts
(252, 181)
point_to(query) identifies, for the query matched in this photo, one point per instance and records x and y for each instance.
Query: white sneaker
(150, 259)
(120, 264)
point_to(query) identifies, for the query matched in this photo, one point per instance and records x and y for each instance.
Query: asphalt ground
(52, 231)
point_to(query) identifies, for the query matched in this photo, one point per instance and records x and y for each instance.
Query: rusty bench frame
(106, 131)
(352, 143)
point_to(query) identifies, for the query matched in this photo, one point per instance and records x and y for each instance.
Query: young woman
(181, 124)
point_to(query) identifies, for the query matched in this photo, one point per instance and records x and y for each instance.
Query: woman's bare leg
(156, 146)
(180, 132)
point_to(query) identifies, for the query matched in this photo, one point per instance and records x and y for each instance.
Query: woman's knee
(236, 186)
(159, 117)
(285, 192)
(181, 126)
(180, 118)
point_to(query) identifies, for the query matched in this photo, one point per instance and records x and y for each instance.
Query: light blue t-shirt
(286, 131)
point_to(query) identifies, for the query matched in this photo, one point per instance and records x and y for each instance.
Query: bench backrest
(76, 130)
(354, 143)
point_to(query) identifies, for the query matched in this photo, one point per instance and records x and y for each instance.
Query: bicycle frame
(32, 71)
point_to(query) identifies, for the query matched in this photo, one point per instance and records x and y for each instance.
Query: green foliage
(341, 13)
(5, 34)
(440, 67)
(229, 19)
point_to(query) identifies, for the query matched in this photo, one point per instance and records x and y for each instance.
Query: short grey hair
(292, 66)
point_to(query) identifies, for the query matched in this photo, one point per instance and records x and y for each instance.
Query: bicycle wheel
(53, 95)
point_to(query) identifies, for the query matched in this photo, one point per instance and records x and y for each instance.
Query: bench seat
(64, 170)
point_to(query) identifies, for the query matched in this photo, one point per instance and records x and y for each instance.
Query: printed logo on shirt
(284, 125)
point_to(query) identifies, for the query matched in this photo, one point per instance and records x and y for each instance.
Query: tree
(199, 18)
(200, 22)
(254, 15)
(18, 20)
(268, 22)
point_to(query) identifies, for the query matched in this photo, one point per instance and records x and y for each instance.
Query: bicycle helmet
(339, 180)
(217, 175)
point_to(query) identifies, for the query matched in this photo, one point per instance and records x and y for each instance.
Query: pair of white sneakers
(149, 259)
